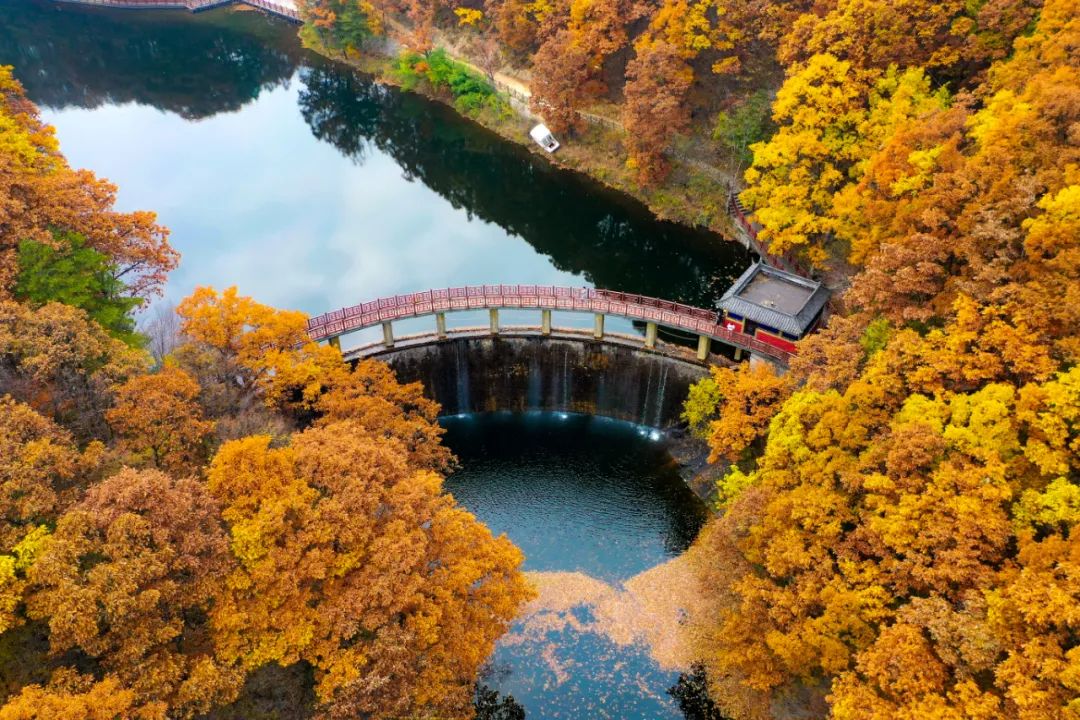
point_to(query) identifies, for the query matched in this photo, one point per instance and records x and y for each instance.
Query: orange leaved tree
(158, 422)
(350, 559)
(127, 579)
(44, 195)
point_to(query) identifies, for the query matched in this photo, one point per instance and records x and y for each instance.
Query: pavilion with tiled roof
(773, 305)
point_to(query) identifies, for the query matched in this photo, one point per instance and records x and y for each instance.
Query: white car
(544, 138)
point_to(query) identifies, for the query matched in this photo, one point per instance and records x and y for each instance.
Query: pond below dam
(594, 503)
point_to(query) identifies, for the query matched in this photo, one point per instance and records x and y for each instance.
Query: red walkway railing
(787, 261)
(540, 297)
(281, 10)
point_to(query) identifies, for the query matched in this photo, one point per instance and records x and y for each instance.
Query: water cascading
(660, 395)
(643, 418)
(461, 362)
(601, 395)
(566, 379)
(529, 373)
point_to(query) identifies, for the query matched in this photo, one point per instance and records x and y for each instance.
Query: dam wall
(531, 373)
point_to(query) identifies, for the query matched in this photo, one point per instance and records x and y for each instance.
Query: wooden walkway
(285, 9)
(546, 298)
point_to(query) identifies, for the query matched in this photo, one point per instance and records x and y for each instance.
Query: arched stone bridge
(653, 312)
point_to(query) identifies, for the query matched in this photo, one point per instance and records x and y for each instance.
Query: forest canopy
(893, 536)
(664, 69)
(173, 529)
(896, 538)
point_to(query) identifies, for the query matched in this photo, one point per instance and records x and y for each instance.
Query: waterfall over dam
(523, 373)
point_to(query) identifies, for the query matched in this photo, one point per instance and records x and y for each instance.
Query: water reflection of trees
(195, 66)
(581, 227)
(200, 65)
(691, 692)
(342, 109)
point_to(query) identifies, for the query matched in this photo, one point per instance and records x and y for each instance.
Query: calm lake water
(310, 187)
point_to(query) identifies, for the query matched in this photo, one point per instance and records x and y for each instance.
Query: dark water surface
(574, 492)
(310, 187)
(590, 496)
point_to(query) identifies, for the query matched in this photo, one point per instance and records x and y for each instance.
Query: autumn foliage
(160, 554)
(731, 410)
(158, 422)
(902, 546)
(894, 536)
(395, 613)
(666, 69)
(42, 194)
(75, 697)
(166, 532)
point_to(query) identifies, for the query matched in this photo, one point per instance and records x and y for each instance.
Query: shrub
(471, 92)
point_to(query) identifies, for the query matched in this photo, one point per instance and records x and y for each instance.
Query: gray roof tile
(774, 297)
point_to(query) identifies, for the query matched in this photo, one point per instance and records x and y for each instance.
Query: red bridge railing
(279, 9)
(540, 297)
